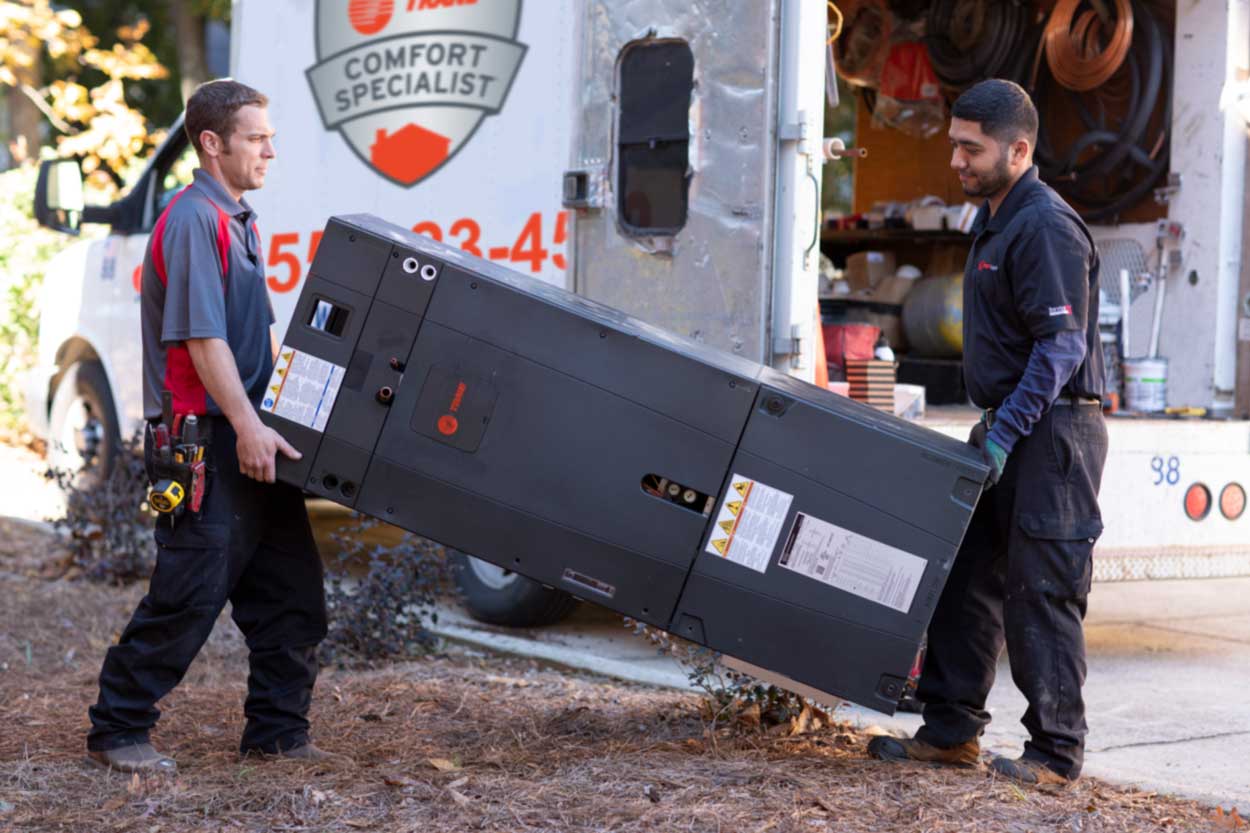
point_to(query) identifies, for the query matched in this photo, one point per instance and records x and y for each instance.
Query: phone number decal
(531, 247)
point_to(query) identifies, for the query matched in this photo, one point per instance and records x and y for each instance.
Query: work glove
(992, 454)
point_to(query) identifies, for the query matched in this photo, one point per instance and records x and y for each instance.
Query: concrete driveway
(1169, 675)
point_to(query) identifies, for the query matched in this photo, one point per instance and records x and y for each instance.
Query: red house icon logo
(408, 154)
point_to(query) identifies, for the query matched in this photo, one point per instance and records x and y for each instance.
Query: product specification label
(853, 563)
(749, 523)
(302, 388)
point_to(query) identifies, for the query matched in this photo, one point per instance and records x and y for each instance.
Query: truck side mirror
(59, 200)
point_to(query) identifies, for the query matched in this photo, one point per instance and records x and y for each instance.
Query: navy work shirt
(203, 277)
(1032, 273)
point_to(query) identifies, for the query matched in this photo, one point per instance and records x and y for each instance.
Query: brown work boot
(305, 753)
(139, 757)
(1026, 771)
(887, 748)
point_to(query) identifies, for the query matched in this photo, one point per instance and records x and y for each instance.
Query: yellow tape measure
(166, 496)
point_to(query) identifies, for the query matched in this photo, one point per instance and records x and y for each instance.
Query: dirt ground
(470, 742)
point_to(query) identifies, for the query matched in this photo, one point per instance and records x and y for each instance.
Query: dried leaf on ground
(444, 765)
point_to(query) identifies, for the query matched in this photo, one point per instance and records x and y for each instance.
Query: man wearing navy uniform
(207, 342)
(1033, 362)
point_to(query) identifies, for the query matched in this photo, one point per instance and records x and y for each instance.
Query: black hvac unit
(704, 494)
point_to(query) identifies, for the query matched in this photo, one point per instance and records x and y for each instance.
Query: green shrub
(25, 249)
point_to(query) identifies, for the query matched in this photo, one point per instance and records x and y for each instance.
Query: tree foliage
(86, 105)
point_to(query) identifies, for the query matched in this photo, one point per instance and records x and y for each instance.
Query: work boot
(1027, 771)
(305, 753)
(139, 757)
(887, 748)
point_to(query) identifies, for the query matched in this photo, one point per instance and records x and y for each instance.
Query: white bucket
(1145, 384)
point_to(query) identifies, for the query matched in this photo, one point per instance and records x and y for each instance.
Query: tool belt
(173, 454)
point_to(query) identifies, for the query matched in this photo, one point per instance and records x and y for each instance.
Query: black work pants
(1022, 576)
(251, 545)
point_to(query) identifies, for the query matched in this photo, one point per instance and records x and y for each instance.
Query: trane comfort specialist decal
(407, 82)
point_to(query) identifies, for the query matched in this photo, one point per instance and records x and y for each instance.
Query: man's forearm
(214, 362)
(1051, 365)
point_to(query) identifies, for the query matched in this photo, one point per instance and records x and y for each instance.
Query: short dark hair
(213, 106)
(1002, 108)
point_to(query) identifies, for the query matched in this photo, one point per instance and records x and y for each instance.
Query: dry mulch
(464, 742)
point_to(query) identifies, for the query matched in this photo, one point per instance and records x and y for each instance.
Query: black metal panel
(641, 587)
(350, 258)
(555, 447)
(781, 597)
(835, 655)
(597, 352)
(373, 375)
(339, 471)
(908, 472)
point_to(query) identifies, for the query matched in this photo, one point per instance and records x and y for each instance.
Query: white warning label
(302, 388)
(849, 561)
(749, 523)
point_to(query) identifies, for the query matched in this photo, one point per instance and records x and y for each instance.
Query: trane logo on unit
(407, 82)
(447, 423)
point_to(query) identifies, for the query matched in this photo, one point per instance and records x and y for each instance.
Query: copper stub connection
(1073, 50)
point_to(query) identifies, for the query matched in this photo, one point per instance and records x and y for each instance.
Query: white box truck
(534, 134)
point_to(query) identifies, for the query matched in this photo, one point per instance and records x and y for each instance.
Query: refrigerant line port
(670, 490)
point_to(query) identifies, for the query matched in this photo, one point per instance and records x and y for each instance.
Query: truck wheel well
(73, 350)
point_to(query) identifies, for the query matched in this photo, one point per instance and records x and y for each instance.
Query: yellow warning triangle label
(721, 545)
(276, 388)
(734, 506)
(743, 487)
(281, 371)
(728, 526)
(288, 356)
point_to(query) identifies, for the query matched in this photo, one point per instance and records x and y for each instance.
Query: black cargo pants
(1022, 576)
(251, 545)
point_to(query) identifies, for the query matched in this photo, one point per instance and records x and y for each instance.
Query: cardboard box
(865, 270)
(892, 289)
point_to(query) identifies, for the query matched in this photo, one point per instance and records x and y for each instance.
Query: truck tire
(501, 597)
(83, 434)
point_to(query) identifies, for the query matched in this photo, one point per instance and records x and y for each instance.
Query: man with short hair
(1033, 362)
(207, 342)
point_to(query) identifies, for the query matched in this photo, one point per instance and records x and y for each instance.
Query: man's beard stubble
(993, 182)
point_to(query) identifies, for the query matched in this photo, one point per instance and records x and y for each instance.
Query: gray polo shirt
(203, 277)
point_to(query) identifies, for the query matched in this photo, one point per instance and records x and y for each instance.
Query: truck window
(656, 81)
(176, 177)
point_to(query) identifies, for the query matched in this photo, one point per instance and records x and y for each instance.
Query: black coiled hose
(970, 40)
(1111, 168)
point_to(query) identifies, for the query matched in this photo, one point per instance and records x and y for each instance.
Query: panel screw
(774, 405)
(385, 394)
(397, 365)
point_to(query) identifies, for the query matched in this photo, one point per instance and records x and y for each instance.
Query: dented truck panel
(710, 281)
